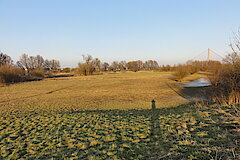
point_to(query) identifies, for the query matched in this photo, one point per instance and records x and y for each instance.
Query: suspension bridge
(208, 55)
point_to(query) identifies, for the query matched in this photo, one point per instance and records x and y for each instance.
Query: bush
(193, 69)
(11, 74)
(66, 70)
(166, 68)
(89, 66)
(37, 73)
(226, 84)
(180, 72)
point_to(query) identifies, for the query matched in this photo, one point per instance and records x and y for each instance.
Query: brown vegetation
(226, 84)
(27, 68)
(180, 72)
(191, 67)
(11, 74)
(89, 66)
(226, 78)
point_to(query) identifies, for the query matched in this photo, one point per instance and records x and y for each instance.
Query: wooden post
(153, 104)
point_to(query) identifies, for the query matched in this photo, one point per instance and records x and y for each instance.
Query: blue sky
(169, 31)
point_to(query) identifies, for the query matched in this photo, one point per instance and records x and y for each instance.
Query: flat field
(109, 117)
(100, 92)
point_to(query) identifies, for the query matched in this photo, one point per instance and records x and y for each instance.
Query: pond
(201, 82)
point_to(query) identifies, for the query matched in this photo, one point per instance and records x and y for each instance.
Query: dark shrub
(11, 74)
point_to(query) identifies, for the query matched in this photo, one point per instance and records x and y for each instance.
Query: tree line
(27, 62)
(92, 65)
(26, 68)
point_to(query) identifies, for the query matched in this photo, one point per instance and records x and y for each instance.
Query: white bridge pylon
(208, 55)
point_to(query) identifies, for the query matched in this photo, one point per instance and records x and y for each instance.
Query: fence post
(153, 104)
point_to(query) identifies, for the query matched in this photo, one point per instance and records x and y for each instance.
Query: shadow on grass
(195, 93)
(156, 147)
(176, 133)
(191, 93)
(180, 132)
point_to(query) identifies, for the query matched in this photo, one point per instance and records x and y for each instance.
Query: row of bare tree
(27, 62)
(91, 65)
(26, 68)
(193, 66)
(35, 62)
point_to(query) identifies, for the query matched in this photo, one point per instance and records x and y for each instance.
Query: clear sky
(169, 31)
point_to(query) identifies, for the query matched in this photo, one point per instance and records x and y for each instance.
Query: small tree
(133, 66)
(89, 65)
(235, 43)
(140, 64)
(51, 64)
(181, 71)
(150, 65)
(123, 65)
(5, 59)
(115, 66)
(232, 58)
(39, 61)
(47, 65)
(83, 69)
(97, 64)
(55, 64)
(24, 62)
(105, 66)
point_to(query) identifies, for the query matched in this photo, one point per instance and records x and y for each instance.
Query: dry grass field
(100, 92)
(109, 117)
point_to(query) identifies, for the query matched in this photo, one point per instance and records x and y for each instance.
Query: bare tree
(140, 64)
(235, 42)
(50, 64)
(5, 59)
(151, 65)
(55, 64)
(133, 66)
(123, 65)
(105, 66)
(115, 65)
(87, 58)
(24, 62)
(232, 58)
(39, 61)
(88, 66)
(32, 62)
(97, 64)
(47, 65)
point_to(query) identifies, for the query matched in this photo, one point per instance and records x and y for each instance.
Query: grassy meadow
(100, 92)
(110, 117)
